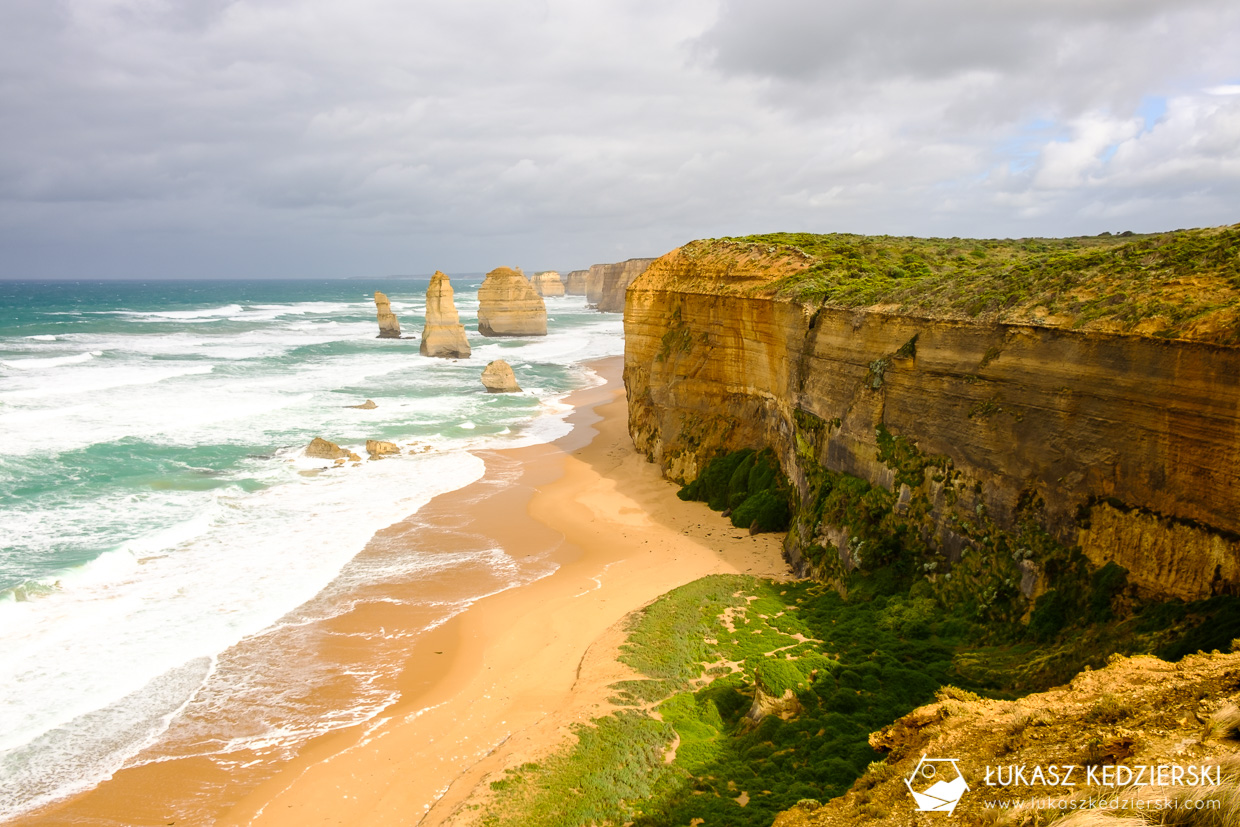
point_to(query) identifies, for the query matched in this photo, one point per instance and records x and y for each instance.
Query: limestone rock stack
(498, 378)
(389, 327)
(548, 283)
(606, 283)
(509, 306)
(444, 335)
(575, 283)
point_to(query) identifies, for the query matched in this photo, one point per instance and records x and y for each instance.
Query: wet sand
(497, 684)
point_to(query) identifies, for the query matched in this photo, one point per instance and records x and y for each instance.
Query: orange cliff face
(1125, 445)
(605, 284)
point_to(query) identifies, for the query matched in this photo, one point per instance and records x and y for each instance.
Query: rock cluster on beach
(499, 378)
(508, 305)
(389, 327)
(548, 283)
(443, 335)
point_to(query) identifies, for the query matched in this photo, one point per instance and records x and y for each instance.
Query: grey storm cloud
(317, 137)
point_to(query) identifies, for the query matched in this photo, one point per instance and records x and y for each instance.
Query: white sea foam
(167, 599)
(42, 337)
(51, 362)
(180, 315)
(140, 634)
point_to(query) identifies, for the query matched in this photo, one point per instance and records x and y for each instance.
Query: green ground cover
(1175, 277)
(853, 665)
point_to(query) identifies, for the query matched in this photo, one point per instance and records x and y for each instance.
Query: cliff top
(1181, 285)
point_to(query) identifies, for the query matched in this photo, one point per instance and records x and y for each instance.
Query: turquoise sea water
(155, 504)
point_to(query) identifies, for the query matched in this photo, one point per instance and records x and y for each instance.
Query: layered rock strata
(444, 335)
(389, 327)
(606, 283)
(547, 283)
(499, 378)
(575, 283)
(509, 306)
(985, 433)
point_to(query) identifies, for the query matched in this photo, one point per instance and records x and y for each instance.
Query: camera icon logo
(937, 784)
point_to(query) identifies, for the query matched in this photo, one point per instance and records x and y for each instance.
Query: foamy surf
(172, 560)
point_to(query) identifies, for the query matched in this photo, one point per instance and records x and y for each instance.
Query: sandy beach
(500, 683)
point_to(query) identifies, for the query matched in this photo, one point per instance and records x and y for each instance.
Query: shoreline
(500, 681)
(531, 661)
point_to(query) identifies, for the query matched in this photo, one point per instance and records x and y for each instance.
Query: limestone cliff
(443, 335)
(606, 283)
(547, 283)
(575, 283)
(1000, 427)
(509, 306)
(389, 327)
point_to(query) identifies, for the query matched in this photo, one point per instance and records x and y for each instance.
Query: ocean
(166, 548)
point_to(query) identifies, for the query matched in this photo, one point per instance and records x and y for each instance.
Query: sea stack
(548, 283)
(498, 378)
(575, 283)
(444, 335)
(389, 327)
(509, 306)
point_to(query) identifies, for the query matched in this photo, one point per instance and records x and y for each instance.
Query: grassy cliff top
(1181, 284)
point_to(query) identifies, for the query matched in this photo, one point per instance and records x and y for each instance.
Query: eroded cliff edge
(1003, 402)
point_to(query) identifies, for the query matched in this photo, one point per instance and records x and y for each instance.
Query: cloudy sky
(282, 138)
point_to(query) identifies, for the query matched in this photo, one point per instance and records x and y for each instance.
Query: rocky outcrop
(606, 283)
(368, 405)
(548, 283)
(389, 327)
(998, 441)
(1134, 715)
(320, 448)
(575, 283)
(499, 378)
(444, 335)
(509, 306)
(379, 448)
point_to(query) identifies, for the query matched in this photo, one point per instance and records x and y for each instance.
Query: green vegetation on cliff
(757, 694)
(1165, 284)
(747, 486)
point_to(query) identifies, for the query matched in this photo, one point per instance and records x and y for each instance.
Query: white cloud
(387, 135)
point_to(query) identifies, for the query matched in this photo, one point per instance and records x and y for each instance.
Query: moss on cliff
(1182, 283)
(748, 486)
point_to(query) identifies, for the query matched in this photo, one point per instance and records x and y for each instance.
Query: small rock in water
(320, 448)
(498, 378)
(368, 405)
(379, 448)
